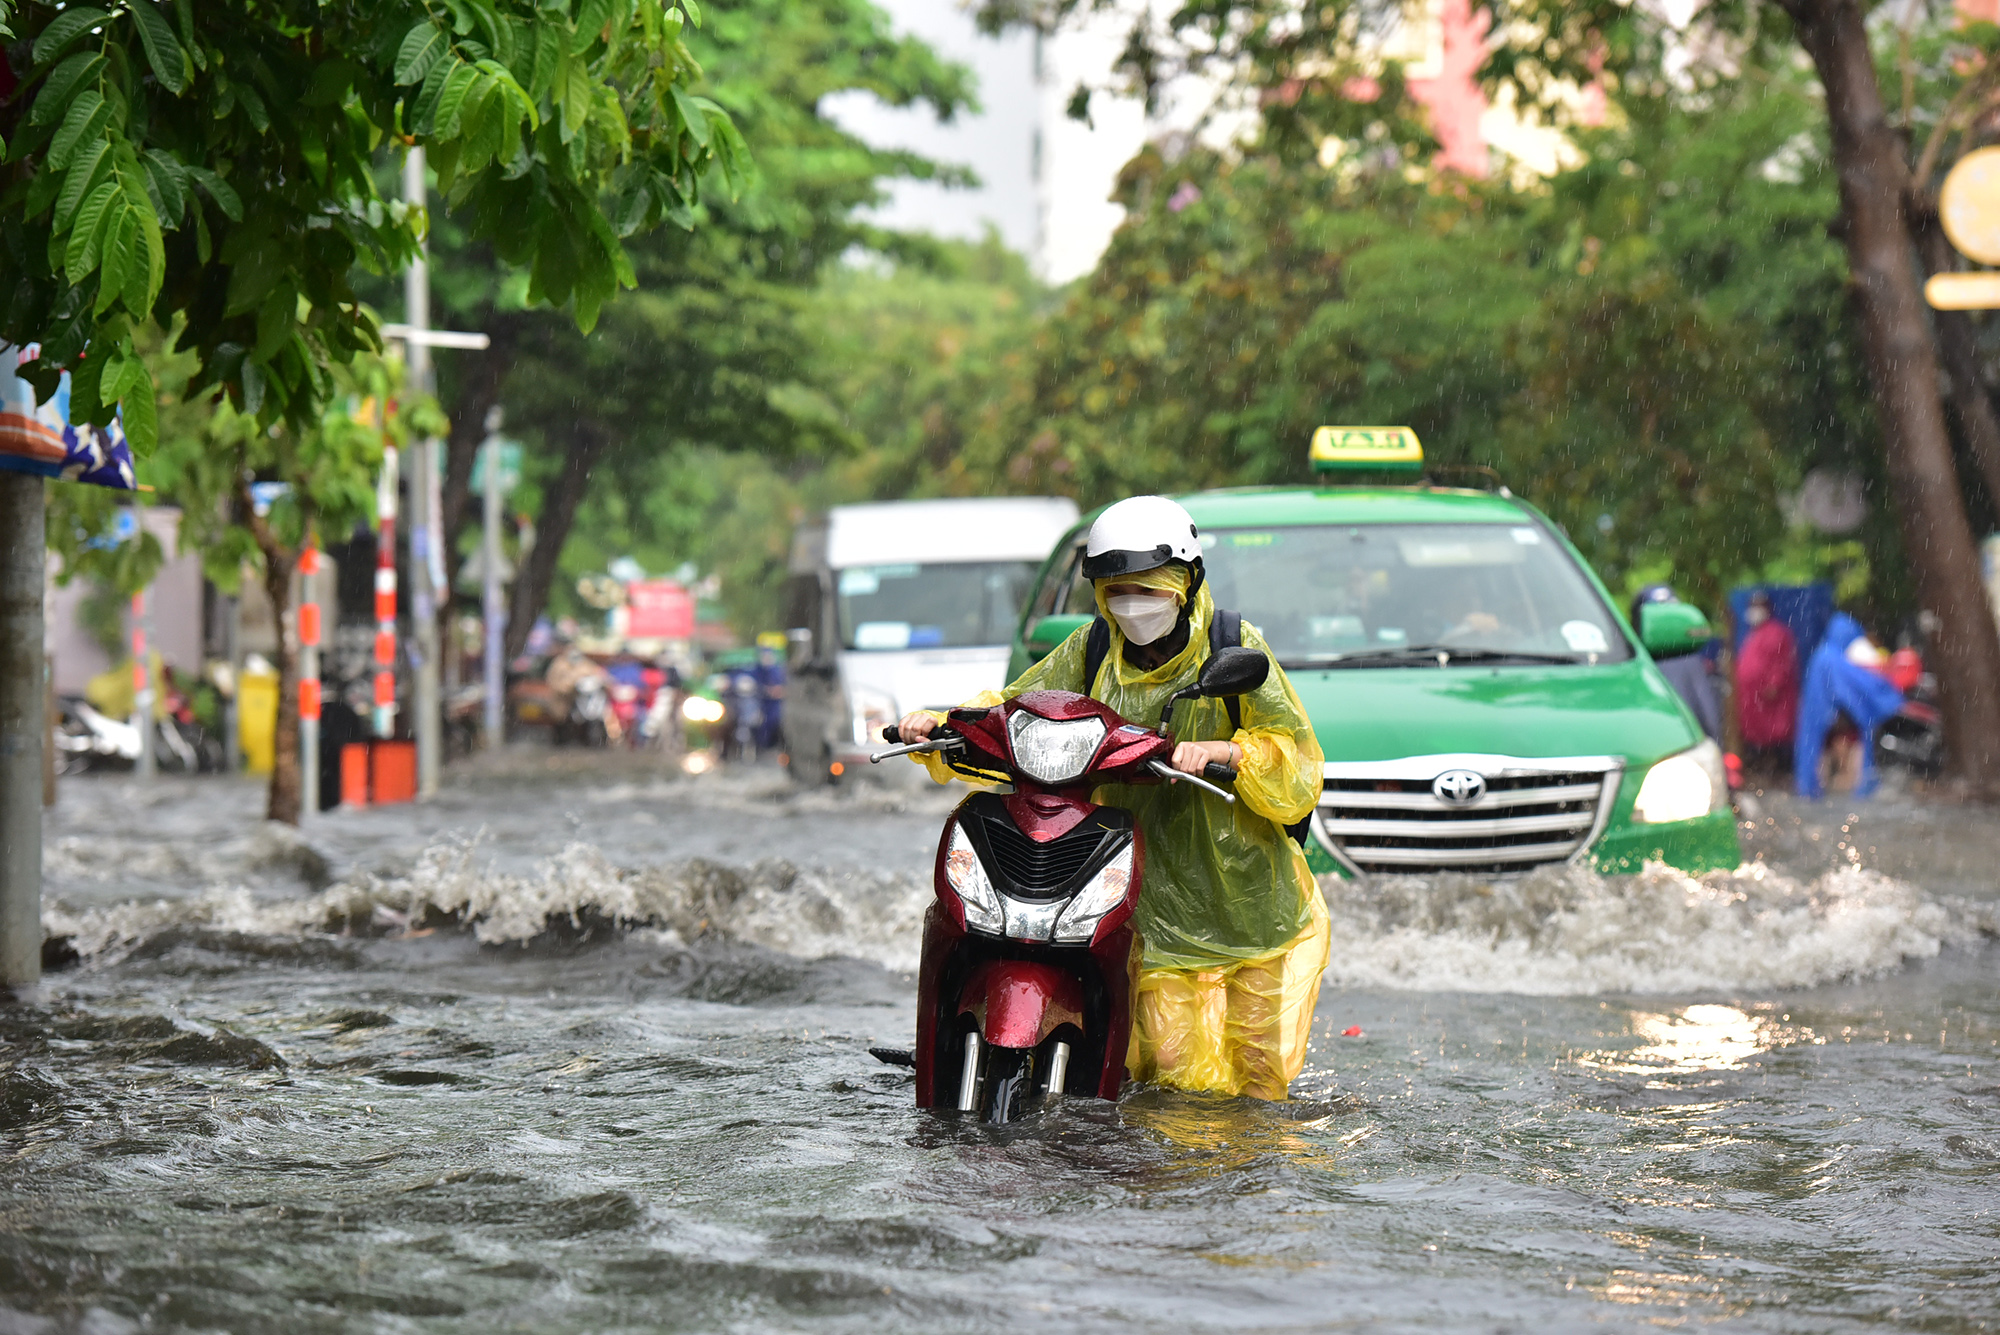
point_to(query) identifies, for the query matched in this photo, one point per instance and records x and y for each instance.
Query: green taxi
(1482, 705)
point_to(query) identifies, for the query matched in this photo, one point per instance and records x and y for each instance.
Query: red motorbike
(1025, 987)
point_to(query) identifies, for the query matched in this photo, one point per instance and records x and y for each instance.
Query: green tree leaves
(169, 63)
(218, 162)
(422, 48)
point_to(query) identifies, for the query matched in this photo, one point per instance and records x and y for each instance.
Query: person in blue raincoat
(1835, 685)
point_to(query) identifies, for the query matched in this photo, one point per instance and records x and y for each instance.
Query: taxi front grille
(1384, 816)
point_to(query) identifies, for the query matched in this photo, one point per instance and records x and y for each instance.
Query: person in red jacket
(1767, 687)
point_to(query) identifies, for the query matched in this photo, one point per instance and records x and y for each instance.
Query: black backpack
(1225, 631)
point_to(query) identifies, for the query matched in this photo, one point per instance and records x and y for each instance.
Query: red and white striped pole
(309, 701)
(385, 598)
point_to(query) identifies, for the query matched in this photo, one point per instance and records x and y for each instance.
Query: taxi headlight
(1683, 787)
(1053, 750)
(1105, 892)
(975, 891)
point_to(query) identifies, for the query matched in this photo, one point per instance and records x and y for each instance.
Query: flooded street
(574, 1051)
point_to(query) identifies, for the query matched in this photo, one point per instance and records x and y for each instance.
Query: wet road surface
(585, 1051)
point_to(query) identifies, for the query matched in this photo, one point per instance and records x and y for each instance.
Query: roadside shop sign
(1969, 208)
(658, 609)
(39, 438)
(510, 468)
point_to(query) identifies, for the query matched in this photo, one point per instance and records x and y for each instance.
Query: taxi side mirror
(1668, 629)
(1049, 631)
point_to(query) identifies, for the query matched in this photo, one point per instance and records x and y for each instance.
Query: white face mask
(1144, 617)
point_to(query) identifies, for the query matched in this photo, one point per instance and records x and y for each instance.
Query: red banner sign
(658, 609)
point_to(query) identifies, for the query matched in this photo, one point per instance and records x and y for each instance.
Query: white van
(904, 605)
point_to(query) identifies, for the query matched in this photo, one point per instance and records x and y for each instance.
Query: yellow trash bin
(257, 719)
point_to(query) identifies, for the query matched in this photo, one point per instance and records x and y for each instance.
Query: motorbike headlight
(873, 711)
(1683, 787)
(975, 891)
(1053, 750)
(1105, 892)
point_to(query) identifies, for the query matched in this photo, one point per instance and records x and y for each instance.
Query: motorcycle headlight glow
(1053, 750)
(1105, 892)
(961, 868)
(1683, 787)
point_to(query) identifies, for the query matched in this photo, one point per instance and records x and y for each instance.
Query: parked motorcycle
(1914, 738)
(590, 721)
(1024, 991)
(87, 739)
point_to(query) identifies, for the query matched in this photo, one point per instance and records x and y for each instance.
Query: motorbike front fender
(1018, 1003)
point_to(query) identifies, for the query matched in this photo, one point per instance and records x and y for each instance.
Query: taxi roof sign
(1366, 449)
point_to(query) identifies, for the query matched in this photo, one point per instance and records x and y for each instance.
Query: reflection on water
(1704, 1037)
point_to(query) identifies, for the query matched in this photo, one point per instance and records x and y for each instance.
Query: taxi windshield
(1392, 595)
(955, 605)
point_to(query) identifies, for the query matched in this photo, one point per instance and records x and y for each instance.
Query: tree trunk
(531, 586)
(286, 798)
(286, 789)
(1970, 402)
(1903, 369)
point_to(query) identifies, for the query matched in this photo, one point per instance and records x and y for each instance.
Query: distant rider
(1233, 927)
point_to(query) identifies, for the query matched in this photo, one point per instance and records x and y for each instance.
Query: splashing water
(1560, 931)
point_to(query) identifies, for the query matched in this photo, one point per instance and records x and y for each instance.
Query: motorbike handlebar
(946, 742)
(1216, 772)
(1175, 776)
(892, 735)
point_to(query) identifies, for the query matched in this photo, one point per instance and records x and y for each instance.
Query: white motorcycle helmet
(1142, 533)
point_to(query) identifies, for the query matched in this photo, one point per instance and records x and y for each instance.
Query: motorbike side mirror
(1234, 671)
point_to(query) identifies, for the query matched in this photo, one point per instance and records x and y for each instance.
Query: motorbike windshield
(1398, 595)
(954, 605)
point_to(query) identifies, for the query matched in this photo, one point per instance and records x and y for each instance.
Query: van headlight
(1683, 787)
(873, 711)
(1053, 750)
(1105, 892)
(961, 868)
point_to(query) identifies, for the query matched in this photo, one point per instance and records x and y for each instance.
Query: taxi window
(1066, 591)
(1362, 593)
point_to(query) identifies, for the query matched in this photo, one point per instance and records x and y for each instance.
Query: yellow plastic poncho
(1233, 926)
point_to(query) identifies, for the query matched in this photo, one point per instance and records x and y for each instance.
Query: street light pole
(423, 521)
(22, 573)
(493, 610)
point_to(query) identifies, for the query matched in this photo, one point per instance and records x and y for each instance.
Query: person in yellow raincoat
(1232, 924)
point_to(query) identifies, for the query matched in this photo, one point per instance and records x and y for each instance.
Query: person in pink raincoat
(1767, 686)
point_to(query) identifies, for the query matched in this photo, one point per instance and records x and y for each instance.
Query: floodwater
(573, 1051)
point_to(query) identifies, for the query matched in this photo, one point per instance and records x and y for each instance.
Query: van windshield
(958, 605)
(1385, 595)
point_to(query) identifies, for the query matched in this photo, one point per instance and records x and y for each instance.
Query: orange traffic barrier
(392, 772)
(354, 774)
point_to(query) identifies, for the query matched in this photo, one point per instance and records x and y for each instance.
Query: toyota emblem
(1459, 787)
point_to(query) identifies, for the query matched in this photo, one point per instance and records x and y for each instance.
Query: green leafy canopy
(212, 166)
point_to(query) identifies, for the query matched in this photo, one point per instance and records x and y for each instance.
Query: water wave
(810, 913)
(1571, 931)
(1560, 931)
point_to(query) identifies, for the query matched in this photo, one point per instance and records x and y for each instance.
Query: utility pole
(423, 523)
(385, 596)
(48, 730)
(232, 634)
(493, 607)
(22, 574)
(142, 679)
(309, 686)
